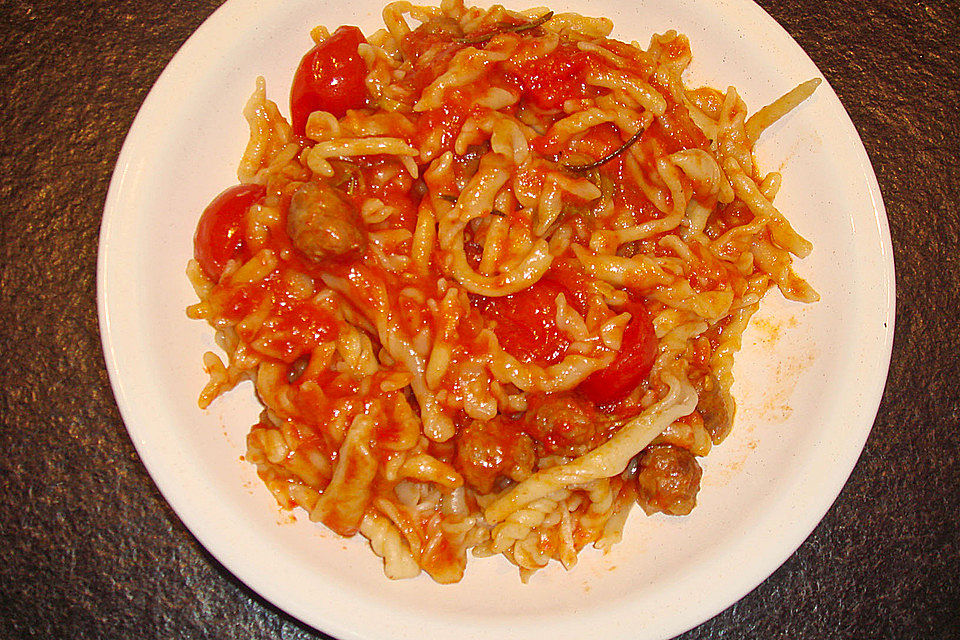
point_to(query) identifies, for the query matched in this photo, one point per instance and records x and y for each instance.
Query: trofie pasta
(488, 281)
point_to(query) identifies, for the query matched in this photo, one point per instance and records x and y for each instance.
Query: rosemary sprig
(580, 168)
(506, 28)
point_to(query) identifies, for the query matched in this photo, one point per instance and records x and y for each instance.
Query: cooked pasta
(488, 282)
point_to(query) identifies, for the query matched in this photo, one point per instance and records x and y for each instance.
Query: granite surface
(88, 546)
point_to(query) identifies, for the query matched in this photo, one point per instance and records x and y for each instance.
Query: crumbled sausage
(488, 451)
(324, 224)
(713, 407)
(668, 480)
(565, 423)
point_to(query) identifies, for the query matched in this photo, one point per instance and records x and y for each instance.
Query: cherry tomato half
(330, 78)
(526, 323)
(632, 364)
(219, 235)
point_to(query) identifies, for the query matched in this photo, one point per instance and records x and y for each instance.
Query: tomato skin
(330, 78)
(219, 235)
(569, 275)
(632, 364)
(526, 323)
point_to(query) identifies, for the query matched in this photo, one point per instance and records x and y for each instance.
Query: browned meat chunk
(324, 224)
(487, 451)
(716, 410)
(565, 424)
(668, 480)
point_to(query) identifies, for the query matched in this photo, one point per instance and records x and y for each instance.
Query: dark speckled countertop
(89, 548)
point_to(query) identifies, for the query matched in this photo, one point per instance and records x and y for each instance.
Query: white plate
(809, 377)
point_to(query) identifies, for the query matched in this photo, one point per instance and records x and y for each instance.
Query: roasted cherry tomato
(219, 236)
(632, 364)
(330, 78)
(526, 323)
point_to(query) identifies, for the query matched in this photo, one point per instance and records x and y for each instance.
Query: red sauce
(549, 80)
(448, 119)
(241, 302)
(412, 316)
(699, 356)
(627, 194)
(674, 131)
(676, 49)
(301, 327)
(297, 326)
(600, 141)
(387, 433)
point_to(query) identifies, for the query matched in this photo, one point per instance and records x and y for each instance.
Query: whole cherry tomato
(632, 364)
(219, 235)
(330, 78)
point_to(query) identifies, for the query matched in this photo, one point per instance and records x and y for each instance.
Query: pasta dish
(488, 281)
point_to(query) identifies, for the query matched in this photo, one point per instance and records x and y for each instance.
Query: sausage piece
(324, 224)
(565, 423)
(716, 410)
(487, 451)
(668, 480)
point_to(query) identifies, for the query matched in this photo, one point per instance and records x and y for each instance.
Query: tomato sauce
(298, 326)
(550, 80)
(674, 131)
(448, 119)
